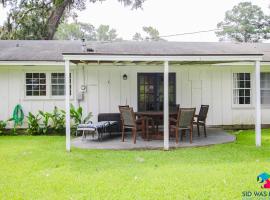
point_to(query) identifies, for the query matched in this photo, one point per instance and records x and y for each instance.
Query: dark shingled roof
(42, 50)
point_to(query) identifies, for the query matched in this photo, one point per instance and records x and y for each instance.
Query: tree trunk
(55, 18)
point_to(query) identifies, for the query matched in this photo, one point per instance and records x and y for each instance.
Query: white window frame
(50, 85)
(267, 89)
(251, 89)
(49, 95)
(32, 84)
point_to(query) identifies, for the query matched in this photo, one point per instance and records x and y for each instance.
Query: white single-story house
(232, 78)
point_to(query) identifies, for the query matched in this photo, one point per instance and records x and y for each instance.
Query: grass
(37, 167)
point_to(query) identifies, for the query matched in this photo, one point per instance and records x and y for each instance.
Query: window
(241, 88)
(35, 84)
(265, 88)
(58, 84)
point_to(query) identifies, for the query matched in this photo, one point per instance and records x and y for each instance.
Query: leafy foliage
(50, 122)
(33, 124)
(244, 23)
(152, 34)
(137, 37)
(104, 33)
(76, 31)
(26, 20)
(36, 19)
(3, 125)
(58, 119)
(77, 115)
(45, 127)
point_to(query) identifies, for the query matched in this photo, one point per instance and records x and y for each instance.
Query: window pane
(241, 76)
(247, 76)
(54, 81)
(247, 84)
(247, 100)
(29, 87)
(241, 93)
(42, 81)
(35, 87)
(54, 90)
(36, 75)
(43, 87)
(42, 93)
(54, 75)
(61, 81)
(247, 93)
(35, 93)
(242, 84)
(42, 75)
(29, 75)
(241, 100)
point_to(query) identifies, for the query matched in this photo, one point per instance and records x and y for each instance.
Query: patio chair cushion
(116, 128)
(102, 124)
(94, 126)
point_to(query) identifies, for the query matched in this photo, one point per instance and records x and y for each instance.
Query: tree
(152, 34)
(26, 21)
(104, 33)
(137, 37)
(244, 23)
(52, 14)
(77, 31)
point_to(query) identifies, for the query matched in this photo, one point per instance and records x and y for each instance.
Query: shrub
(76, 115)
(3, 125)
(33, 124)
(45, 127)
(58, 119)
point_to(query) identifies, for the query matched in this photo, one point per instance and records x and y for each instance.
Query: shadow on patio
(214, 136)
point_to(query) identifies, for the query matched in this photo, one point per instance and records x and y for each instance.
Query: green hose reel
(18, 115)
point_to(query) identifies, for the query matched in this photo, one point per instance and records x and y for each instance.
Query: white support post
(258, 103)
(166, 105)
(67, 86)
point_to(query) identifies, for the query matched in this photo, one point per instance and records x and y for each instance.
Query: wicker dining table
(157, 117)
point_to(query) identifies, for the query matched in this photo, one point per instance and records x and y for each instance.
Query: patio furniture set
(147, 123)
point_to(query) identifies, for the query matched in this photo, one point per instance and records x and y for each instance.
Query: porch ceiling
(158, 59)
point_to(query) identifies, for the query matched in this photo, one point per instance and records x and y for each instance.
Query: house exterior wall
(106, 89)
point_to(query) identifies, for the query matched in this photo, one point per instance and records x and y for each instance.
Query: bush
(47, 123)
(45, 127)
(58, 120)
(3, 125)
(77, 116)
(33, 124)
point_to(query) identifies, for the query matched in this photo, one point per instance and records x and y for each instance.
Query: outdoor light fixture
(124, 77)
(83, 88)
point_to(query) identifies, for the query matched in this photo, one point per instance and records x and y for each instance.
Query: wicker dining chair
(201, 119)
(130, 122)
(183, 123)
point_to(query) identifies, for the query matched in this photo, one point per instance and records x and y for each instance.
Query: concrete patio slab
(214, 136)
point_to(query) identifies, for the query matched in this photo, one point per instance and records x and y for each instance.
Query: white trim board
(220, 58)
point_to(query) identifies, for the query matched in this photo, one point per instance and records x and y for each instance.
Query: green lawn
(37, 167)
